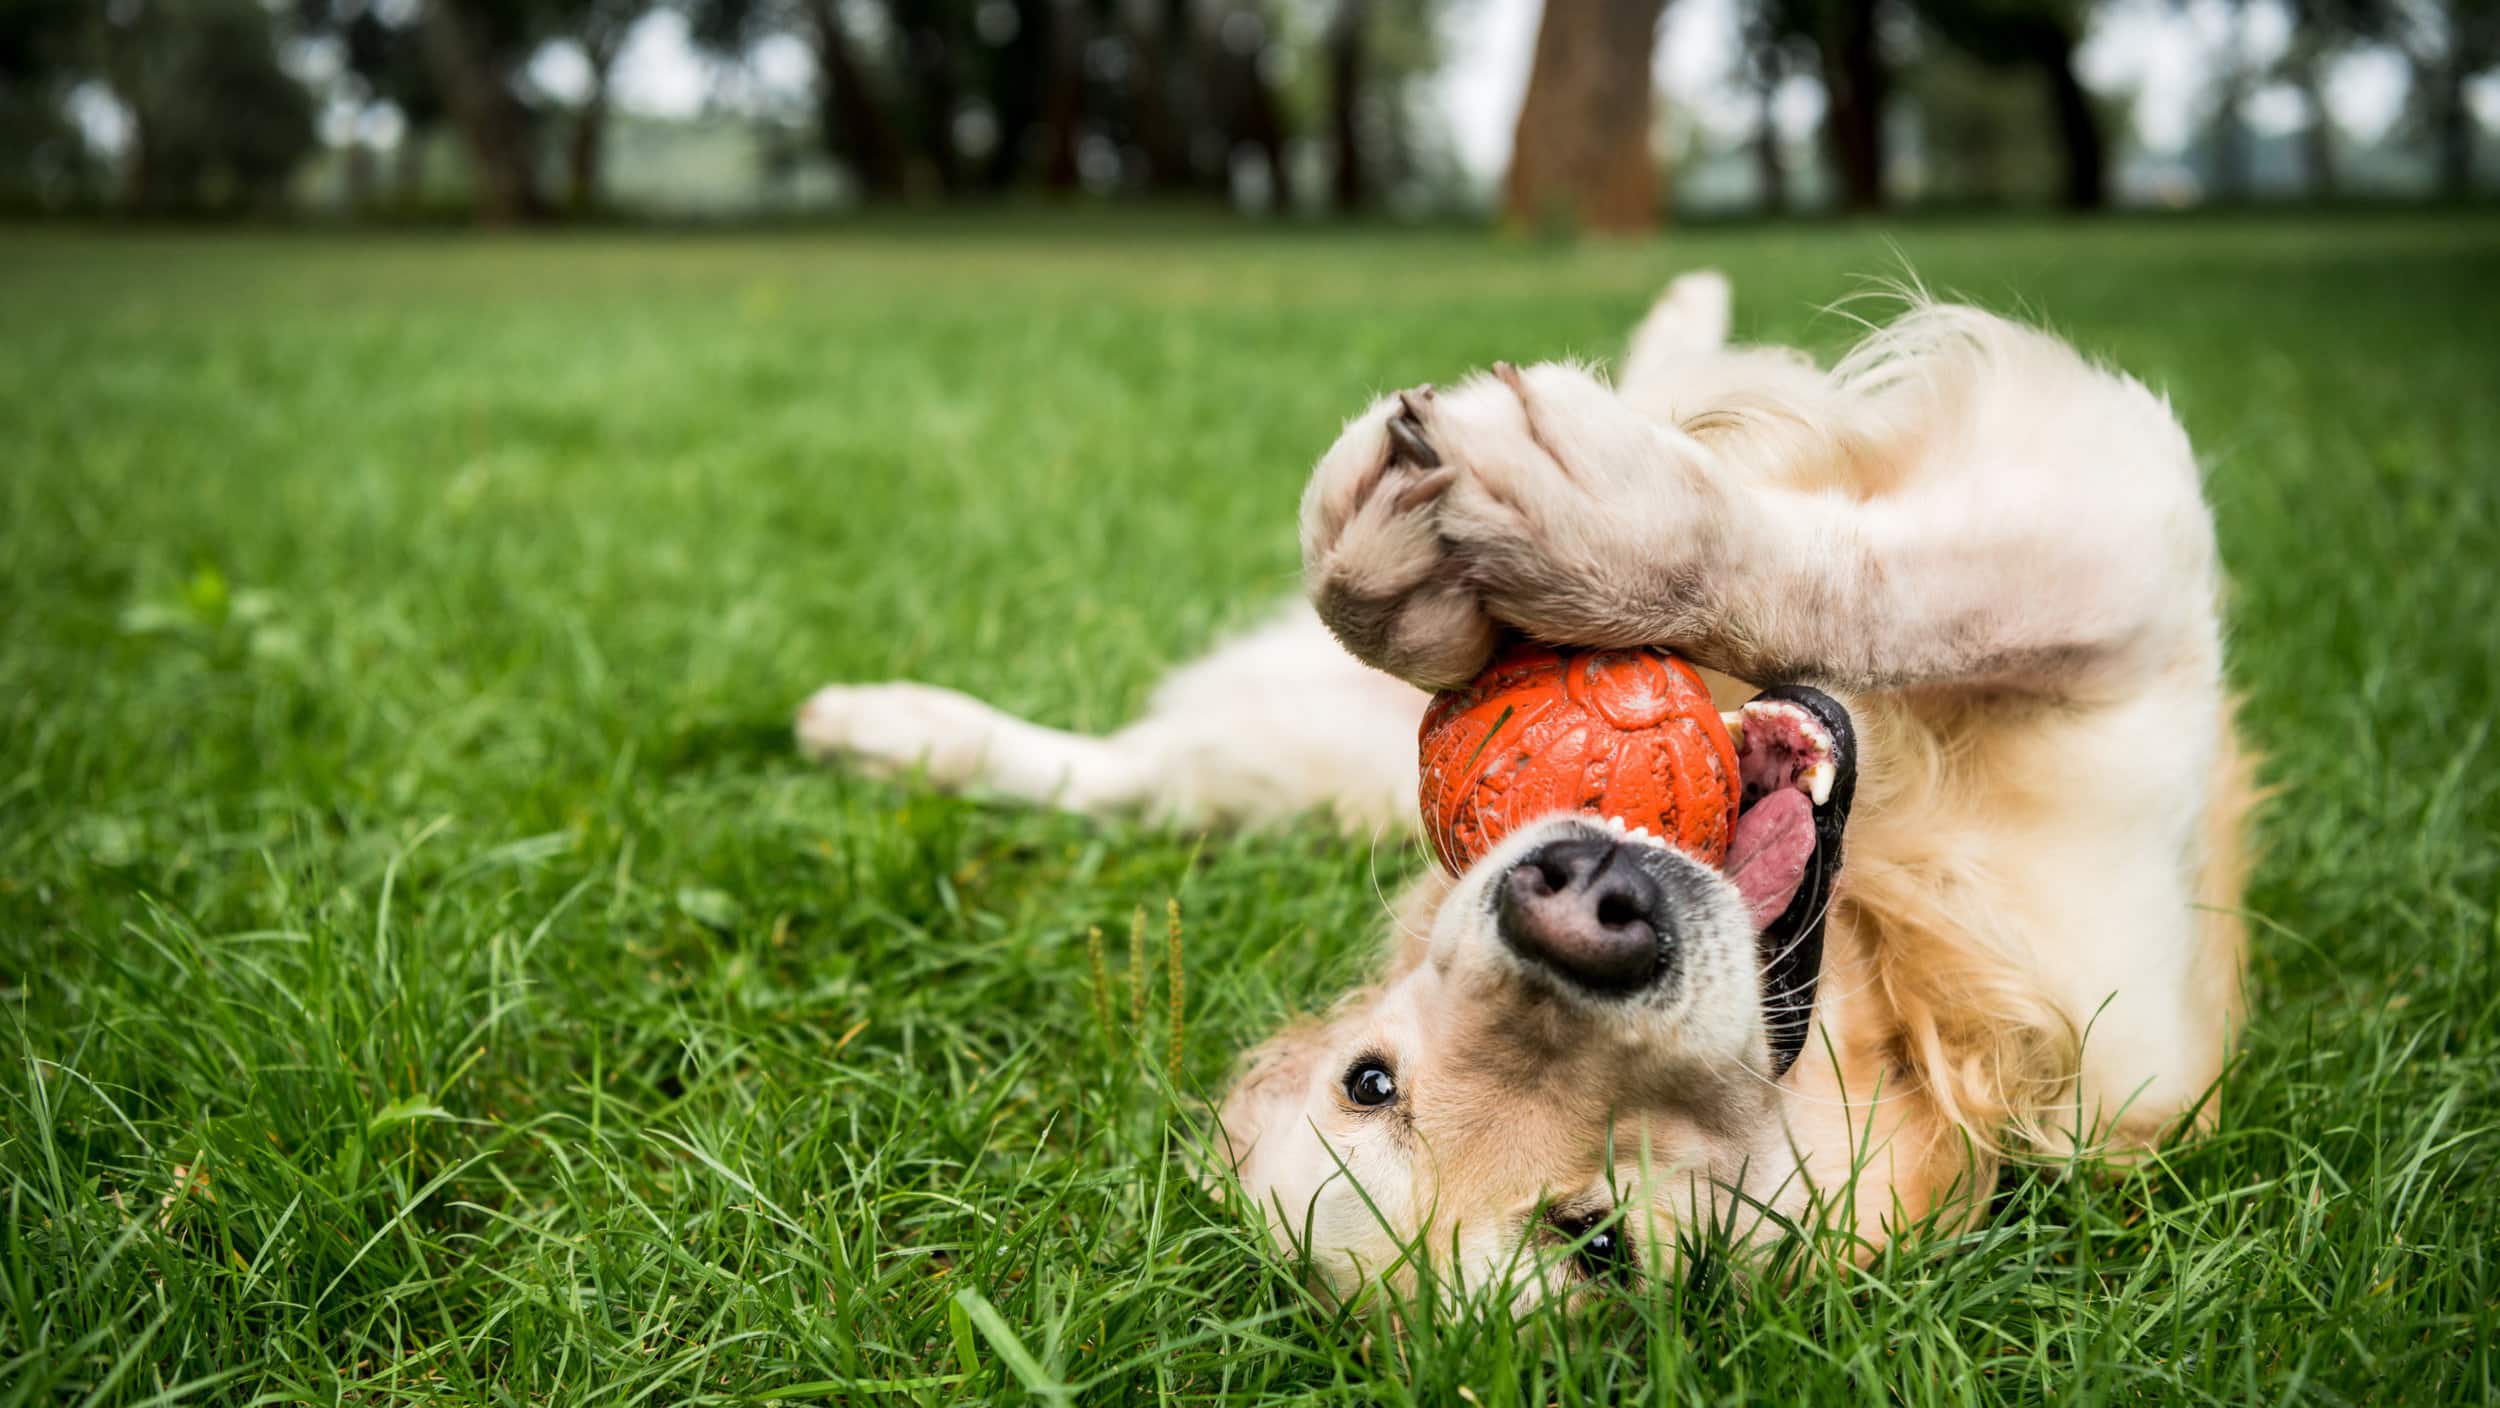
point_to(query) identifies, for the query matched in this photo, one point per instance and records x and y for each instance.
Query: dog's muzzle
(1592, 911)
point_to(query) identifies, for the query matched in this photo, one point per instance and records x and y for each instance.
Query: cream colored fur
(1995, 552)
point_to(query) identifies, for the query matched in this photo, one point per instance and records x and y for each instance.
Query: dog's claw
(1407, 444)
(1424, 489)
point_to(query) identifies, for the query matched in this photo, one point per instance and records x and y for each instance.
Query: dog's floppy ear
(1267, 1093)
(1791, 945)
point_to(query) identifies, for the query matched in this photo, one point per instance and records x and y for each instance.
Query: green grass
(399, 832)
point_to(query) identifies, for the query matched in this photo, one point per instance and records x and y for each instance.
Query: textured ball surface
(1613, 733)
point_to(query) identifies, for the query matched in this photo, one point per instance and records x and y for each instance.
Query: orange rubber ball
(1612, 733)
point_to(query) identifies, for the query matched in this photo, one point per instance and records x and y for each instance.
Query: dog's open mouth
(1789, 761)
(1797, 753)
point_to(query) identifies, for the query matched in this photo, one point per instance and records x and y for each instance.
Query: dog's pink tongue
(1767, 856)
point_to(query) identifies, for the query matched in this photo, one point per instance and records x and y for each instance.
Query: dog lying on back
(1987, 567)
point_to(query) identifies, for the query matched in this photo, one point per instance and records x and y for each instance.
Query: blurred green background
(429, 973)
(1555, 115)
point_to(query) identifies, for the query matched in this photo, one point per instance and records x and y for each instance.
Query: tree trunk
(929, 50)
(1857, 86)
(1348, 189)
(1262, 125)
(1769, 169)
(140, 180)
(408, 168)
(2452, 126)
(2078, 125)
(482, 106)
(1162, 39)
(855, 129)
(2230, 176)
(2317, 136)
(1243, 107)
(2230, 140)
(356, 170)
(584, 155)
(1063, 98)
(1016, 80)
(143, 173)
(1581, 151)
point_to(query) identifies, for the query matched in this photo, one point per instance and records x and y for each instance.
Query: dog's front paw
(1372, 555)
(1534, 499)
(893, 729)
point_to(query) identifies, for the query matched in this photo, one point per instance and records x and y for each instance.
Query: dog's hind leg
(1681, 372)
(1270, 724)
(958, 742)
(1688, 323)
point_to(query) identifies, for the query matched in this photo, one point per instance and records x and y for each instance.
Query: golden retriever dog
(1959, 597)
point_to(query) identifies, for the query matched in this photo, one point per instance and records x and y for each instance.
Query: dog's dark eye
(1369, 1083)
(1604, 1252)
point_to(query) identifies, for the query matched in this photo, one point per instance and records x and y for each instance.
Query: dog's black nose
(1588, 909)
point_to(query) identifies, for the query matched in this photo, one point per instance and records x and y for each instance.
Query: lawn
(426, 971)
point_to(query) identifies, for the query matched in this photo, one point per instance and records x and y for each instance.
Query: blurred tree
(1847, 40)
(2227, 144)
(1858, 85)
(2319, 29)
(1063, 93)
(383, 58)
(1983, 134)
(215, 123)
(599, 27)
(1016, 37)
(851, 115)
(1768, 57)
(2447, 44)
(43, 157)
(1159, 35)
(1346, 46)
(1245, 120)
(2040, 35)
(474, 49)
(1371, 52)
(932, 40)
(946, 98)
(1581, 151)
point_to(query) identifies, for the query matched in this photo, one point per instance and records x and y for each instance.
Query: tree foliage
(42, 160)
(215, 122)
(2039, 37)
(1259, 102)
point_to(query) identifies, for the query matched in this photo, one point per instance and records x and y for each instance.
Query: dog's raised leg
(1965, 503)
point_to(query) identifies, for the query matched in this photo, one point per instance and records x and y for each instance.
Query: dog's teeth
(1735, 721)
(1818, 781)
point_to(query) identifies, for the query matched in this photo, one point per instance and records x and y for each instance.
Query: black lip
(1792, 944)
